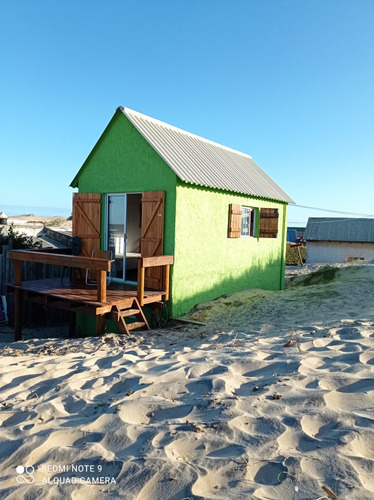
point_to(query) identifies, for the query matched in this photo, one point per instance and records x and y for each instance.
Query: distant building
(3, 219)
(295, 234)
(337, 239)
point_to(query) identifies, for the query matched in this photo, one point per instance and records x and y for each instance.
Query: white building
(337, 239)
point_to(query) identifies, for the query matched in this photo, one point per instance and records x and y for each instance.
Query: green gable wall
(123, 162)
(207, 263)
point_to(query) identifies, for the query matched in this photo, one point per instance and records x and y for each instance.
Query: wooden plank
(119, 314)
(150, 299)
(101, 286)
(18, 301)
(72, 324)
(160, 260)
(17, 272)
(79, 262)
(17, 314)
(135, 325)
(152, 234)
(124, 303)
(268, 222)
(141, 279)
(235, 218)
(193, 322)
(166, 282)
(87, 221)
(100, 324)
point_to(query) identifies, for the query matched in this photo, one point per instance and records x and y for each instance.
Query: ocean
(13, 210)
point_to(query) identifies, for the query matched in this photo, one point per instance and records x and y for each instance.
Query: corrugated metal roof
(199, 161)
(339, 229)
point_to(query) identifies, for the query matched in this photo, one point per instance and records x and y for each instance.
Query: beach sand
(272, 398)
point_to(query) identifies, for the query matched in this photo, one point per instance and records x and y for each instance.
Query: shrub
(293, 254)
(19, 240)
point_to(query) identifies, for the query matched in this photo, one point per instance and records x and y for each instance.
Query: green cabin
(148, 188)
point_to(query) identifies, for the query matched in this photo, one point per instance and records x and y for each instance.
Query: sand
(272, 398)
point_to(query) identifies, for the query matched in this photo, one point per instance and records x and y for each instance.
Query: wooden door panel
(87, 221)
(152, 235)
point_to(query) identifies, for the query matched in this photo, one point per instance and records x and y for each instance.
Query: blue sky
(289, 82)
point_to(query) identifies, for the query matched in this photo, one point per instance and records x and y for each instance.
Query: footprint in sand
(294, 438)
(108, 361)
(321, 342)
(362, 445)
(349, 333)
(348, 400)
(365, 471)
(364, 422)
(172, 412)
(73, 404)
(310, 363)
(361, 385)
(199, 387)
(351, 347)
(269, 474)
(8, 448)
(15, 418)
(326, 429)
(367, 357)
(230, 451)
(350, 358)
(267, 370)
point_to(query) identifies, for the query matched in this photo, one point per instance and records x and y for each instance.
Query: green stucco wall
(207, 263)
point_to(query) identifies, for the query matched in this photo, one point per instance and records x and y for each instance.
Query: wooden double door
(133, 228)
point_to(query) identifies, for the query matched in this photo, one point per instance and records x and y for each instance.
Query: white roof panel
(357, 230)
(199, 161)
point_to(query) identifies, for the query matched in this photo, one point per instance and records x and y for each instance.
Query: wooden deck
(79, 297)
(105, 301)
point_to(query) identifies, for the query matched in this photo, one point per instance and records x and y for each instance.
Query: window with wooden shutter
(235, 220)
(269, 223)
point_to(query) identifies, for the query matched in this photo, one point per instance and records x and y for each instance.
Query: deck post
(100, 324)
(166, 278)
(101, 286)
(17, 300)
(140, 289)
(72, 323)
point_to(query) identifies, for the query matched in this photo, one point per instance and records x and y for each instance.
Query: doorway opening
(123, 233)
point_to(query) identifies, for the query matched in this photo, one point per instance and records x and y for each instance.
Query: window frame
(249, 214)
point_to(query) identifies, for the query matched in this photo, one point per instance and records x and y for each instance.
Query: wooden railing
(100, 266)
(164, 261)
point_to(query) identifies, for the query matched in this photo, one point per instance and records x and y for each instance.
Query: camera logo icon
(25, 474)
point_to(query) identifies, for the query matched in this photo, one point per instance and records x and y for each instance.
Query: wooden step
(123, 313)
(119, 315)
(135, 325)
(129, 312)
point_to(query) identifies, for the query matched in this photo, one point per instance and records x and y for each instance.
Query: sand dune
(272, 399)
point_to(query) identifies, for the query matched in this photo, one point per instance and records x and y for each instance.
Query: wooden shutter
(87, 221)
(152, 235)
(235, 220)
(268, 222)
